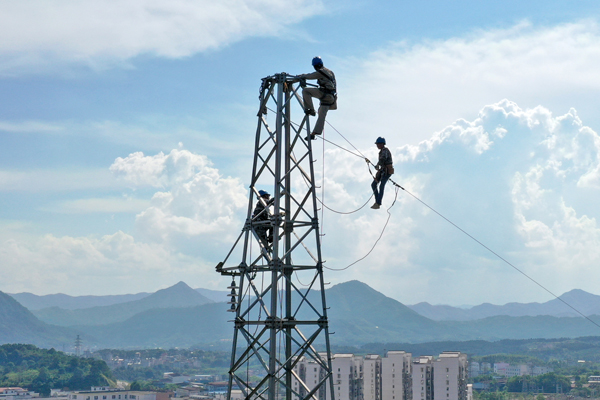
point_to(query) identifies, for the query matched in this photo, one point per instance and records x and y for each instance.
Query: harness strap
(332, 80)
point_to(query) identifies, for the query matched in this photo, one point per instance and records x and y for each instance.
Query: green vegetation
(539, 351)
(41, 370)
(507, 396)
(547, 383)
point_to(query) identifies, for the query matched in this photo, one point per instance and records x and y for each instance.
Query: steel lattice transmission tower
(277, 289)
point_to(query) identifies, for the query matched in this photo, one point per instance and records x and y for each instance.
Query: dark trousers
(265, 235)
(383, 178)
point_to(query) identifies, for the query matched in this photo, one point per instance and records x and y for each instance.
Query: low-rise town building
(116, 394)
(16, 393)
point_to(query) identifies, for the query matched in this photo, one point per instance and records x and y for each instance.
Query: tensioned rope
(463, 231)
(328, 141)
(377, 241)
(501, 258)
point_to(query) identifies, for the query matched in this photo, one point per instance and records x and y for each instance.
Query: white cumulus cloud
(195, 201)
(409, 90)
(115, 263)
(522, 181)
(101, 32)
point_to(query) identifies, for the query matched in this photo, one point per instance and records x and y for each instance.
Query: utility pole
(278, 289)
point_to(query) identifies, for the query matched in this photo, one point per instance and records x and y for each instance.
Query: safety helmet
(380, 140)
(263, 193)
(317, 62)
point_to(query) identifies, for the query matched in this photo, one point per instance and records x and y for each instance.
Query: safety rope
(322, 191)
(501, 258)
(350, 143)
(348, 212)
(378, 239)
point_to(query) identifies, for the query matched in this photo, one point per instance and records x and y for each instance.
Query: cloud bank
(187, 223)
(522, 181)
(196, 200)
(99, 33)
(410, 90)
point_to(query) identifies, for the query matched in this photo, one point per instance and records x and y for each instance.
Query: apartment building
(347, 372)
(311, 374)
(396, 370)
(450, 376)
(371, 382)
(422, 378)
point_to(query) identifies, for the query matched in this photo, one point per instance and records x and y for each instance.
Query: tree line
(39, 370)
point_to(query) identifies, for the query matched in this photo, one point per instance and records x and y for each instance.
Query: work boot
(310, 137)
(375, 206)
(310, 111)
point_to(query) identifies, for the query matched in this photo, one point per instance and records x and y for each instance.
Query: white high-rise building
(311, 373)
(347, 377)
(346, 373)
(422, 378)
(450, 376)
(371, 384)
(396, 383)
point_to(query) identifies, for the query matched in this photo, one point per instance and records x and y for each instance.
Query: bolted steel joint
(323, 322)
(315, 223)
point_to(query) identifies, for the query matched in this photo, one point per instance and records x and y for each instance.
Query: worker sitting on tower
(260, 218)
(384, 168)
(326, 92)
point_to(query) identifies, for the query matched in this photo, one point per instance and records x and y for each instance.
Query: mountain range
(563, 306)
(66, 302)
(180, 316)
(177, 296)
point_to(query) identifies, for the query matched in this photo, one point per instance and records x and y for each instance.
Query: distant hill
(177, 296)
(215, 295)
(581, 348)
(584, 302)
(174, 327)
(441, 312)
(35, 302)
(359, 314)
(19, 325)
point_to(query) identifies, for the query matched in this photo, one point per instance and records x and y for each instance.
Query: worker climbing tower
(277, 288)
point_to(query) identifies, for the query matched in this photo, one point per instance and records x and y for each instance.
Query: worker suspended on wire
(326, 93)
(261, 218)
(385, 169)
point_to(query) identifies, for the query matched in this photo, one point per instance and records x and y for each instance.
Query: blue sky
(126, 136)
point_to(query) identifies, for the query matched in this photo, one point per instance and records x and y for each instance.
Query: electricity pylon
(78, 346)
(277, 288)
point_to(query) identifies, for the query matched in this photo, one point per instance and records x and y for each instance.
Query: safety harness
(326, 90)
